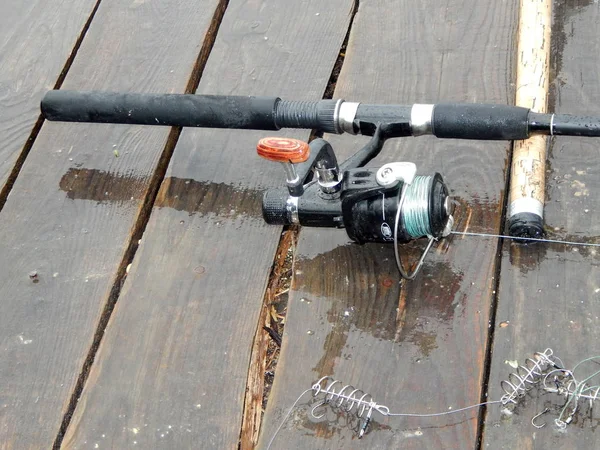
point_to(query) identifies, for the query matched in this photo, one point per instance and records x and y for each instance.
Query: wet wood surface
(548, 293)
(67, 224)
(170, 365)
(418, 347)
(36, 40)
(172, 369)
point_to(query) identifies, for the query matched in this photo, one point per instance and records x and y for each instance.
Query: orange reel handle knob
(283, 150)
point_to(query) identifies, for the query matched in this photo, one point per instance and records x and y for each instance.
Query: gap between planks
(256, 394)
(487, 364)
(144, 214)
(256, 397)
(5, 190)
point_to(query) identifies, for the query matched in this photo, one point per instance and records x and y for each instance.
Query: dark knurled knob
(275, 207)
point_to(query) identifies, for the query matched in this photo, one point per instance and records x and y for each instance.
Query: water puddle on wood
(355, 320)
(101, 186)
(219, 200)
(203, 197)
(370, 304)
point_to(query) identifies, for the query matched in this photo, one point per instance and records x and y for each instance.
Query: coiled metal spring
(528, 375)
(348, 398)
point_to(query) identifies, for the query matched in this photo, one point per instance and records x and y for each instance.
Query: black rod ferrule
(564, 125)
(568, 125)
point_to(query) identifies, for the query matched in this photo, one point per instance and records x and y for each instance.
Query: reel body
(390, 204)
(367, 210)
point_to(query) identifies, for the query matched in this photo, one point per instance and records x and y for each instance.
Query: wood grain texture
(71, 211)
(36, 39)
(528, 172)
(419, 347)
(548, 294)
(172, 369)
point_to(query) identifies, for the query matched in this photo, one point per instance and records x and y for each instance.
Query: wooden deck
(137, 272)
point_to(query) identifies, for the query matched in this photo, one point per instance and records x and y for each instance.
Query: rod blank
(448, 120)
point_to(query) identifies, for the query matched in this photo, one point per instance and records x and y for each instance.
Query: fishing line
(519, 238)
(544, 370)
(285, 418)
(414, 211)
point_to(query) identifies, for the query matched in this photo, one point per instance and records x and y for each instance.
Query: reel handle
(288, 152)
(283, 150)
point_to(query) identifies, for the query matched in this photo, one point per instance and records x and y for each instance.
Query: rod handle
(182, 110)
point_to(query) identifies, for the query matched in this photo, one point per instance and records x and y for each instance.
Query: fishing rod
(387, 204)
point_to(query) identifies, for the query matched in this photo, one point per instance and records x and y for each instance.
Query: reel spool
(408, 212)
(390, 204)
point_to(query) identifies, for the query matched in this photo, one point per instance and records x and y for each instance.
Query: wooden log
(172, 369)
(418, 346)
(528, 171)
(37, 38)
(548, 293)
(63, 252)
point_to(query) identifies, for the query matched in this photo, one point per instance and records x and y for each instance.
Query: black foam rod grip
(182, 110)
(480, 121)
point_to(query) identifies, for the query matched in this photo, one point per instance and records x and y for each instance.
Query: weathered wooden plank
(72, 210)
(36, 40)
(171, 371)
(420, 347)
(548, 292)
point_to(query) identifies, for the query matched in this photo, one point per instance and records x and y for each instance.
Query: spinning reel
(389, 204)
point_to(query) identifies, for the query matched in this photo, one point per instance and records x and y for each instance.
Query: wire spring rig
(543, 371)
(347, 398)
(528, 375)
